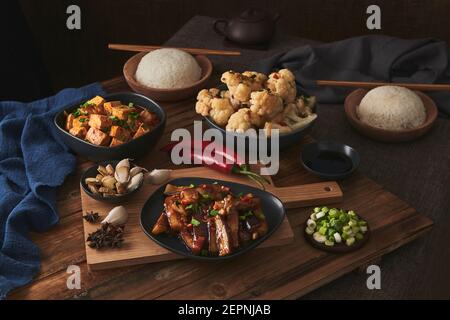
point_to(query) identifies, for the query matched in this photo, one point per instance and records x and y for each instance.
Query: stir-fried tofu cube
(141, 131)
(97, 137)
(97, 102)
(109, 105)
(81, 121)
(148, 117)
(69, 121)
(99, 121)
(120, 133)
(79, 132)
(121, 112)
(116, 142)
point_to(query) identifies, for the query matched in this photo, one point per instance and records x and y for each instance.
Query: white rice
(392, 108)
(168, 69)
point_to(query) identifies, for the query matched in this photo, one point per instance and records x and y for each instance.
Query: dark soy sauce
(330, 162)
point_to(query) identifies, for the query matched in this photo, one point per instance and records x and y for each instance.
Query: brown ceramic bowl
(129, 71)
(352, 102)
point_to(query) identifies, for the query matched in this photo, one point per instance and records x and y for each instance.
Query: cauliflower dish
(254, 100)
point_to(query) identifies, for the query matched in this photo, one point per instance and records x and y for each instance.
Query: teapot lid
(253, 15)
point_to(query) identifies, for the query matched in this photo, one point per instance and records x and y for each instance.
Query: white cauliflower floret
(240, 121)
(296, 120)
(221, 110)
(241, 85)
(204, 97)
(257, 80)
(265, 104)
(283, 84)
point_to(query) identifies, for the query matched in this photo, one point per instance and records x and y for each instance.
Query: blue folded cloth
(33, 163)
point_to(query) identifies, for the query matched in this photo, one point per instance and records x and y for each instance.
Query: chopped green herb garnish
(191, 186)
(82, 119)
(195, 222)
(133, 115)
(86, 104)
(131, 105)
(241, 194)
(191, 206)
(213, 213)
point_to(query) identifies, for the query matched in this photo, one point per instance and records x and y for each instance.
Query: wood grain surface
(285, 272)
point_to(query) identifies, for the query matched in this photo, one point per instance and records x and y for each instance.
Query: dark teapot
(251, 27)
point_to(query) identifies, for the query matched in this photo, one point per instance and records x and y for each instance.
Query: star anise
(91, 217)
(107, 236)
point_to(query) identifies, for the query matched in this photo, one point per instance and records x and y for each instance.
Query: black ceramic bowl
(92, 172)
(285, 140)
(132, 149)
(330, 160)
(272, 208)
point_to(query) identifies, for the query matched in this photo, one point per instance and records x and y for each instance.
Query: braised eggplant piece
(161, 225)
(210, 219)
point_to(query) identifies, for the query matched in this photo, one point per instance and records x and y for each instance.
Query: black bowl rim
(161, 123)
(355, 164)
(101, 198)
(237, 134)
(247, 248)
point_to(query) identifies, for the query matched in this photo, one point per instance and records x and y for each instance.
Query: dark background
(72, 58)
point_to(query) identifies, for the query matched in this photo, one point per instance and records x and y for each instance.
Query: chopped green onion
(213, 213)
(195, 222)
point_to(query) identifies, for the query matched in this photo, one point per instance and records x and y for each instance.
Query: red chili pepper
(233, 165)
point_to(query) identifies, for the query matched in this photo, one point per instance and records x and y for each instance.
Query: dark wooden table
(418, 172)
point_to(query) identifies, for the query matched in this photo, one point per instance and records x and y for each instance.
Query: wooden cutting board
(138, 248)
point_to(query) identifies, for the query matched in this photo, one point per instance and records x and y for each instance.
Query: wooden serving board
(138, 248)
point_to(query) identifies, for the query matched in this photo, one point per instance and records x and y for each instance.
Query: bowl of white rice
(390, 113)
(167, 74)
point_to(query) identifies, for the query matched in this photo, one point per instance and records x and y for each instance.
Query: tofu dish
(210, 219)
(109, 123)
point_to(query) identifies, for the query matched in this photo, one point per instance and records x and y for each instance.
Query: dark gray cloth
(367, 58)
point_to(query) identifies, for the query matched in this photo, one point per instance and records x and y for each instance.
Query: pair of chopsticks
(371, 85)
(144, 48)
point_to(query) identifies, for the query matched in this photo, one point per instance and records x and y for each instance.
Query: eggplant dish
(210, 219)
(109, 123)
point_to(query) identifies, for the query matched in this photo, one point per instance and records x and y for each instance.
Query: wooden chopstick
(144, 48)
(371, 85)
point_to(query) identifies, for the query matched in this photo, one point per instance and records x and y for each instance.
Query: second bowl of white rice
(390, 113)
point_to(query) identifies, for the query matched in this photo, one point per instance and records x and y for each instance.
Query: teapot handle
(217, 29)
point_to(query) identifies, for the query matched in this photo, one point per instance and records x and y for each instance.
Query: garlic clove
(158, 176)
(123, 163)
(102, 170)
(118, 216)
(121, 188)
(93, 181)
(135, 182)
(110, 170)
(135, 170)
(109, 182)
(122, 174)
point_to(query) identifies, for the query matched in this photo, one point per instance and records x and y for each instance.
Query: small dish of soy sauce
(330, 160)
